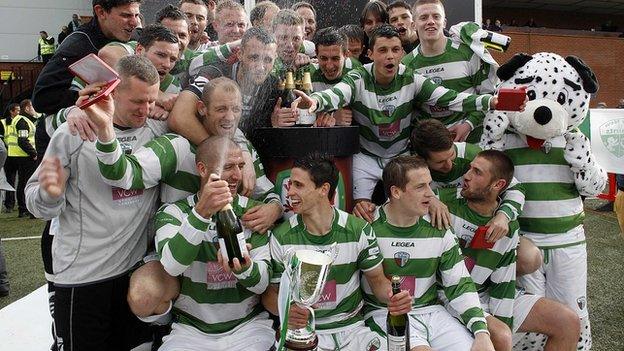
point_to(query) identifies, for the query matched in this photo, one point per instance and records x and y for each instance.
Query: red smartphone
(478, 240)
(92, 69)
(510, 99)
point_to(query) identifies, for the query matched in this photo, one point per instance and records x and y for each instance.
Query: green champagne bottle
(231, 236)
(289, 96)
(397, 326)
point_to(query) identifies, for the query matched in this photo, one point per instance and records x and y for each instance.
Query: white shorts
(430, 326)
(256, 334)
(367, 171)
(562, 277)
(523, 303)
(358, 337)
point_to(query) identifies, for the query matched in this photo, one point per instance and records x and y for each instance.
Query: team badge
(126, 147)
(373, 345)
(401, 258)
(581, 302)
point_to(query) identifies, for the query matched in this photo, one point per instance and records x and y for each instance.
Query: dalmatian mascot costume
(554, 162)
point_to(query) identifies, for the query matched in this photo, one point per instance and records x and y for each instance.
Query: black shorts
(97, 317)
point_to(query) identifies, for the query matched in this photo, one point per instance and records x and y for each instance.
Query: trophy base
(299, 345)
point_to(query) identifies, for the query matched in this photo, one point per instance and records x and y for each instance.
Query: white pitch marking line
(21, 238)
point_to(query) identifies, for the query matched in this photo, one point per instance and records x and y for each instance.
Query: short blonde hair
(222, 83)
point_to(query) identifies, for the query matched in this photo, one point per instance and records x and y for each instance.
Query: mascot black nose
(542, 115)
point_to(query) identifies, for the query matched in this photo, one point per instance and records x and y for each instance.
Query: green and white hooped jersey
(427, 259)
(170, 84)
(210, 299)
(212, 55)
(492, 270)
(168, 160)
(356, 252)
(553, 206)
(319, 82)
(384, 114)
(459, 68)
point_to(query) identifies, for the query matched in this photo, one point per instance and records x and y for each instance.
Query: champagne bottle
(306, 119)
(288, 96)
(496, 41)
(281, 86)
(397, 326)
(232, 242)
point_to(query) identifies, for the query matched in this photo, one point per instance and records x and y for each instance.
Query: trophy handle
(312, 317)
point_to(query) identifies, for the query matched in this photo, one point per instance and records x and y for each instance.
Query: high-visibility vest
(46, 49)
(14, 150)
(6, 127)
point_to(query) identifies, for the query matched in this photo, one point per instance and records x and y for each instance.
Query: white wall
(21, 21)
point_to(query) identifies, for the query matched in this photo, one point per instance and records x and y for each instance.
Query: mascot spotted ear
(558, 90)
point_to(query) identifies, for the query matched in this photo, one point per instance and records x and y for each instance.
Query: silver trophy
(308, 281)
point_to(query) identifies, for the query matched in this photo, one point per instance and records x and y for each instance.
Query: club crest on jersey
(437, 80)
(388, 110)
(373, 345)
(401, 258)
(581, 302)
(126, 147)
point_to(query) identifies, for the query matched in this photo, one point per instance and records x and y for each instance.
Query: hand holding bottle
(399, 303)
(237, 267)
(213, 197)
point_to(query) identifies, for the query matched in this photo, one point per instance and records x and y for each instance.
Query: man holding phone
(492, 266)
(103, 230)
(112, 20)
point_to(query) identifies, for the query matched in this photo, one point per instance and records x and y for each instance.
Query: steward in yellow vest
(21, 140)
(21, 150)
(46, 47)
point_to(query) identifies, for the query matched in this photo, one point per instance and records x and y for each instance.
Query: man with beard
(427, 259)
(381, 95)
(493, 269)
(448, 162)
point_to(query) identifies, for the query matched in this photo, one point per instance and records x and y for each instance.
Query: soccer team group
(128, 186)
